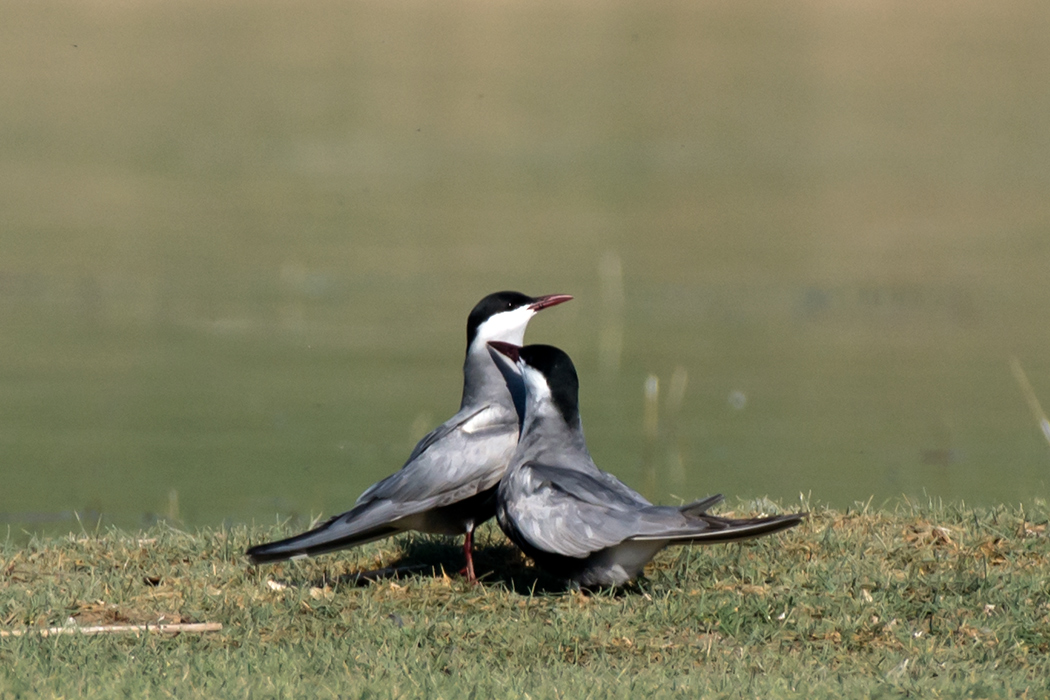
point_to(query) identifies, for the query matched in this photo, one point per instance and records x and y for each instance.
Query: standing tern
(575, 520)
(448, 485)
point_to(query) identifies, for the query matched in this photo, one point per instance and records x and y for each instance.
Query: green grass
(925, 601)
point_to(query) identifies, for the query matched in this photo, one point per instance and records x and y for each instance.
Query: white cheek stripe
(535, 383)
(506, 326)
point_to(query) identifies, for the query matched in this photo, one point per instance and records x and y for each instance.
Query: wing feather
(463, 457)
(564, 511)
(576, 514)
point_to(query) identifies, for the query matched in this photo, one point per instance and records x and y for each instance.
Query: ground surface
(931, 601)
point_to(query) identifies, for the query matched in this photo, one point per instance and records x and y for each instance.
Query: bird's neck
(484, 383)
(544, 431)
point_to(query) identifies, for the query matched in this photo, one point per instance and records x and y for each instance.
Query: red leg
(468, 547)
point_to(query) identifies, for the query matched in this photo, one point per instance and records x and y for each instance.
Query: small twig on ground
(194, 627)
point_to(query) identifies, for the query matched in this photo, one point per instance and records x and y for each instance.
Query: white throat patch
(506, 326)
(536, 386)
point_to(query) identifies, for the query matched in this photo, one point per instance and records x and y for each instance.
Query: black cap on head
(492, 305)
(561, 376)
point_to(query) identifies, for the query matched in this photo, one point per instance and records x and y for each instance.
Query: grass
(928, 600)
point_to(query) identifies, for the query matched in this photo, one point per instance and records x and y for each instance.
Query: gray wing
(576, 514)
(442, 430)
(464, 456)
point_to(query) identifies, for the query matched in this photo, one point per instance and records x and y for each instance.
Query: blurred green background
(239, 241)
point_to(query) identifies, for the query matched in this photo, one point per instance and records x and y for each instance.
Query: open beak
(549, 300)
(508, 349)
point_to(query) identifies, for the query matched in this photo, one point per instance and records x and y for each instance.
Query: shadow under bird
(448, 485)
(575, 520)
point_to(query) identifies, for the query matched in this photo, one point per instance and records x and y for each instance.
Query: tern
(448, 485)
(575, 520)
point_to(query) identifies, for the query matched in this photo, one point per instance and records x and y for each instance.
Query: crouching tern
(448, 484)
(575, 520)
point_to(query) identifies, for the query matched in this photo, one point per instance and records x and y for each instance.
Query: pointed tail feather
(699, 507)
(711, 529)
(718, 529)
(337, 533)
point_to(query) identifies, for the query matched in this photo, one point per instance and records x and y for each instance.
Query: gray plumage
(574, 519)
(447, 485)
